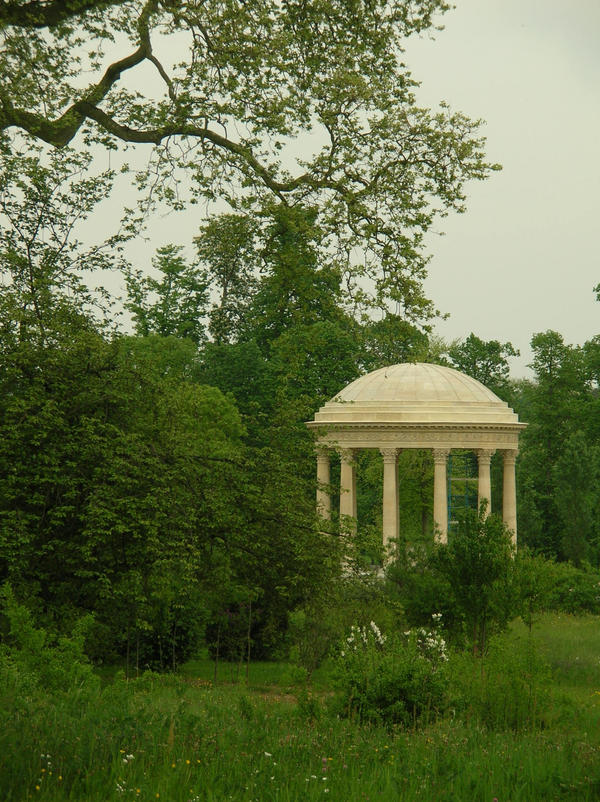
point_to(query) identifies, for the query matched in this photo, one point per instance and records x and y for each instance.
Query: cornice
(417, 427)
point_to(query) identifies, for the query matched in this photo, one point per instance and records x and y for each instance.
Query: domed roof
(416, 393)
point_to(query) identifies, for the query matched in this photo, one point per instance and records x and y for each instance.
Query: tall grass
(181, 738)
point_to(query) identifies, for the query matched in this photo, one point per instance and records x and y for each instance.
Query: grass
(183, 739)
(571, 644)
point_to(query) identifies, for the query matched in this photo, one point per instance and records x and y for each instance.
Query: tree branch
(61, 131)
(36, 14)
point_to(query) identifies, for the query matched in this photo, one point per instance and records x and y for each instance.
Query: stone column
(509, 492)
(484, 485)
(440, 494)
(323, 481)
(390, 495)
(347, 487)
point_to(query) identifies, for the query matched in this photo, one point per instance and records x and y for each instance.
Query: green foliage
(557, 405)
(183, 738)
(575, 479)
(478, 565)
(172, 305)
(42, 263)
(227, 246)
(572, 590)
(471, 580)
(391, 679)
(33, 662)
(354, 598)
(243, 82)
(485, 361)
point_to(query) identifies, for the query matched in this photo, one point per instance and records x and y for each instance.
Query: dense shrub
(572, 590)
(32, 660)
(397, 679)
(315, 629)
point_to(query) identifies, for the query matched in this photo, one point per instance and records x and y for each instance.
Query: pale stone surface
(509, 492)
(440, 498)
(390, 496)
(323, 481)
(347, 484)
(422, 406)
(484, 484)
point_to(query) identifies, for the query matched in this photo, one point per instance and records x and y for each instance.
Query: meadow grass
(181, 738)
(571, 645)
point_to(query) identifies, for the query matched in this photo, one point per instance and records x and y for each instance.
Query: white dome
(416, 393)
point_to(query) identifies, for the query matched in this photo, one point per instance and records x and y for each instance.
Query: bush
(399, 679)
(32, 659)
(572, 590)
(315, 629)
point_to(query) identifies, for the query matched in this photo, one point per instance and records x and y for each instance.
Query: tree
(173, 305)
(43, 265)
(575, 480)
(227, 246)
(485, 361)
(555, 406)
(477, 564)
(249, 80)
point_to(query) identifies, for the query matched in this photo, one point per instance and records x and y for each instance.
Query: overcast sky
(524, 257)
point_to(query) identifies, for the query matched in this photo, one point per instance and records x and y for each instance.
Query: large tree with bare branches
(307, 100)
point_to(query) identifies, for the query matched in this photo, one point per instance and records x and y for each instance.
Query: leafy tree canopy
(485, 361)
(310, 102)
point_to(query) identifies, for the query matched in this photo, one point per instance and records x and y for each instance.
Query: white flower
(268, 754)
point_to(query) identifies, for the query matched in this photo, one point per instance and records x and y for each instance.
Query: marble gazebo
(419, 406)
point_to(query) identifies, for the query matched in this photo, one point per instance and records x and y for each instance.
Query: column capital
(346, 454)
(509, 455)
(440, 455)
(389, 454)
(484, 455)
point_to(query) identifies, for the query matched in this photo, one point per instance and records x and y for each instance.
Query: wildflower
(268, 754)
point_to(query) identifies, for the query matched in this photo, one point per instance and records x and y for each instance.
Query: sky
(524, 256)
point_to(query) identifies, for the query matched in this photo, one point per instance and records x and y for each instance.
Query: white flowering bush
(395, 679)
